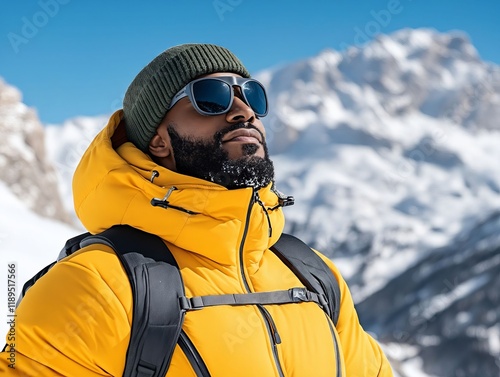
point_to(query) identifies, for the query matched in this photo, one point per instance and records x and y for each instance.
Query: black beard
(209, 161)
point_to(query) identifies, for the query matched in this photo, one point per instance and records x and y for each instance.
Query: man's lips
(248, 135)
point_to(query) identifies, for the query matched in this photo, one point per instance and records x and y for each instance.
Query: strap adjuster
(298, 294)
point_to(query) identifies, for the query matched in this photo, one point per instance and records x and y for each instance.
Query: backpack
(160, 304)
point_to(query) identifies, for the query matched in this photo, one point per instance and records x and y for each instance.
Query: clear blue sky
(77, 57)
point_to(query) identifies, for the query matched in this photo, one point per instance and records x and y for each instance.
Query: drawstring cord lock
(163, 203)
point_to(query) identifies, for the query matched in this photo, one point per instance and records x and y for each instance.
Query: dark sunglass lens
(256, 97)
(212, 96)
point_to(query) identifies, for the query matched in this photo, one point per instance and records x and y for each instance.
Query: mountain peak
(426, 47)
(455, 43)
(438, 75)
(9, 94)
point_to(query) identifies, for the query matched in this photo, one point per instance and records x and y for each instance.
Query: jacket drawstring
(257, 199)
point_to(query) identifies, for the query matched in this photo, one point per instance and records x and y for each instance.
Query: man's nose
(240, 111)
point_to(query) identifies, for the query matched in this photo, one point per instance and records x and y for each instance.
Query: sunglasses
(215, 95)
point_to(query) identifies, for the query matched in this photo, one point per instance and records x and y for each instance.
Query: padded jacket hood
(117, 187)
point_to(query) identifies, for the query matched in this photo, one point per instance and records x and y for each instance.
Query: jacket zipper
(270, 325)
(275, 337)
(336, 346)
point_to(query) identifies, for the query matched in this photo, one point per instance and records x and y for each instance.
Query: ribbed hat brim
(150, 93)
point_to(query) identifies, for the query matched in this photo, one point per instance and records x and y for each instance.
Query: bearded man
(186, 160)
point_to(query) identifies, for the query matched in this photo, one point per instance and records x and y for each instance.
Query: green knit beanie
(148, 96)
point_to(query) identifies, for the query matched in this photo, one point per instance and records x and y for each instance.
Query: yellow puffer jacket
(76, 320)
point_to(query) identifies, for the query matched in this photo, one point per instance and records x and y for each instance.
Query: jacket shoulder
(83, 310)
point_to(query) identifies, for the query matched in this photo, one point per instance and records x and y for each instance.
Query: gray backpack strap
(311, 270)
(156, 288)
(290, 296)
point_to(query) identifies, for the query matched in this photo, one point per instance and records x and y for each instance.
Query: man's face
(228, 149)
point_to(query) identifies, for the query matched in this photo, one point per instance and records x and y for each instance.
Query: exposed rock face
(24, 166)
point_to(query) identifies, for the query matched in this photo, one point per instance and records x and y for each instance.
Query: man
(187, 160)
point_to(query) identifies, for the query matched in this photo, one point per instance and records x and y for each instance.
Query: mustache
(220, 134)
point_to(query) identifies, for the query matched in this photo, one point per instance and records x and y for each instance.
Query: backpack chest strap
(290, 296)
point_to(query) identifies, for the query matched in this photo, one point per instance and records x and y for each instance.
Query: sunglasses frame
(232, 81)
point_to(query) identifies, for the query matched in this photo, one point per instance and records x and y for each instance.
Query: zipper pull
(274, 330)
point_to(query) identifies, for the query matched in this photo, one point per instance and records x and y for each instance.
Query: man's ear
(161, 149)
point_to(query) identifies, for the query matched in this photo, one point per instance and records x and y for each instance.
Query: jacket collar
(125, 186)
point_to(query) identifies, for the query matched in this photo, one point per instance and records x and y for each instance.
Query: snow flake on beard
(209, 161)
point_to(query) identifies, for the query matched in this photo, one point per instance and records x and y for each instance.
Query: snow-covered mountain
(24, 166)
(391, 151)
(446, 307)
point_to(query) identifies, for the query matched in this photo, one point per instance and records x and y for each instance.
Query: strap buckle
(298, 294)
